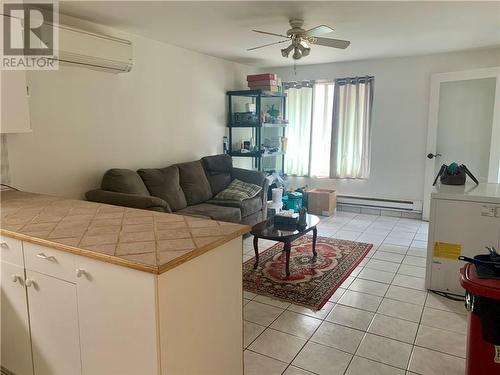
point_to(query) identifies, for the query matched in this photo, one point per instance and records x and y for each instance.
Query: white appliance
(463, 221)
(91, 50)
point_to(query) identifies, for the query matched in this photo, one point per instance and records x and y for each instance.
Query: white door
(464, 126)
(16, 344)
(54, 325)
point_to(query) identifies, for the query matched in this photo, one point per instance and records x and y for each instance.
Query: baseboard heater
(379, 203)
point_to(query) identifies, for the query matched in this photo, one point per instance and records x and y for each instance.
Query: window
(329, 128)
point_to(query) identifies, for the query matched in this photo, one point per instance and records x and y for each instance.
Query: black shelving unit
(257, 126)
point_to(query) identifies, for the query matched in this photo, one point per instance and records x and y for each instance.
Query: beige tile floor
(380, 321)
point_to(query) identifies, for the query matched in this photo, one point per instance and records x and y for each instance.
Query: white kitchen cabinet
(11, 251)
(91, 317)
(16, 342)
(54, 325)
(15, 116)
(117, 312)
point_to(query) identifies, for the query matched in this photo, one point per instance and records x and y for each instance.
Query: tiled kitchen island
(93, 288)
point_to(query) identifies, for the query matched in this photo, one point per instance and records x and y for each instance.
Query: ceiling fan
(301, 39)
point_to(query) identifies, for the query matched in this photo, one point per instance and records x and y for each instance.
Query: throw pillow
(164, 183)
(238, 191)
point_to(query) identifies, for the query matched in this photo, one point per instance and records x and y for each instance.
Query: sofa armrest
(253, 177)
(128, 200)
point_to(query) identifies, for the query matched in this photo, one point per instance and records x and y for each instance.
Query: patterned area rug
(311, 283)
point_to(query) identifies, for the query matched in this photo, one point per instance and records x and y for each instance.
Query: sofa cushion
(238, 191)
(194, 182)
(164, 183)
(247, 207)
(123, 181)
(221, 213)
(218, 170)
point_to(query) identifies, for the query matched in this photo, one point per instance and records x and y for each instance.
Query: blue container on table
(292, 201)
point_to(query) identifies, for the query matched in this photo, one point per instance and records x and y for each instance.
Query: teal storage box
(292, 201)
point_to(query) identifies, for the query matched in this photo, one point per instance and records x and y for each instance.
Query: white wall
(170, 108)
(400, 111)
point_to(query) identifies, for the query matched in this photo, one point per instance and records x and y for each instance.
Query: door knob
(431, 155)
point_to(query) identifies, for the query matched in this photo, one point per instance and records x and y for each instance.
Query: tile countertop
(148, 241)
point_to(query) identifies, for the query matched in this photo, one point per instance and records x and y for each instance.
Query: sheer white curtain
(299, 104)
(350, 146)
(321, 133)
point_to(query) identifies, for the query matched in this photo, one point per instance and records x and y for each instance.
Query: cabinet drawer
(11, 251)
(49, 261)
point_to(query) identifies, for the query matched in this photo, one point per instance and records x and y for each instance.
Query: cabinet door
(54, 325)
(16, 344)
(15, 117)
(117, 315)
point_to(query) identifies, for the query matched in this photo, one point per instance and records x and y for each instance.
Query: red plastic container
(483, 337)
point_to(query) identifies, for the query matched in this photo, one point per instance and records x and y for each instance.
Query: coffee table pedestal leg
(287, 247)
(315, 236)
(256, 249)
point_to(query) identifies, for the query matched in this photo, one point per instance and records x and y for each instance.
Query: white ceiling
(375, 29)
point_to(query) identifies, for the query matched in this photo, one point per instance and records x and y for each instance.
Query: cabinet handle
(31, 282)
(4, 245)
(80, 272)
(46, 257)
(15, 278)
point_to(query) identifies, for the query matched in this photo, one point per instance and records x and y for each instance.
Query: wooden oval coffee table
(267, 230)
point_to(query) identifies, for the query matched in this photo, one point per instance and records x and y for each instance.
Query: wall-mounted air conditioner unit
(91, 50)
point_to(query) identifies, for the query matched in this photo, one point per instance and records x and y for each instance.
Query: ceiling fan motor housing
(296, 29)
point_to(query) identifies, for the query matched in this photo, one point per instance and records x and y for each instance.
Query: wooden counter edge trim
(124, 262)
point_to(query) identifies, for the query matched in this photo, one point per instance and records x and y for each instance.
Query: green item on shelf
(453, 168)
(273, 112)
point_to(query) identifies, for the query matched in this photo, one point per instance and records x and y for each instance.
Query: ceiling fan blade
(327, 42)
(319, 30)
(268, 33)
(269, 44)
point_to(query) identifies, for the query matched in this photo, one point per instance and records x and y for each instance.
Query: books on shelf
(270, 85)
(269, 82)
(265, 81)
(262, 77)
(272, 88)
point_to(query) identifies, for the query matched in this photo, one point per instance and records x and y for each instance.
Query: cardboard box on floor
(321, 202)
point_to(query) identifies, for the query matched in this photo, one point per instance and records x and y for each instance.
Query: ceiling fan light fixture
(286, 51)
(304, 49)
(302, 40)
(297, 54)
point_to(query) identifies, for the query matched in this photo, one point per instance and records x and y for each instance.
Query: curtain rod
(298, 84)
(354, 79)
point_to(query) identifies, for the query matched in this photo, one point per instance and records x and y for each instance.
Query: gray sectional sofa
(186, 189)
